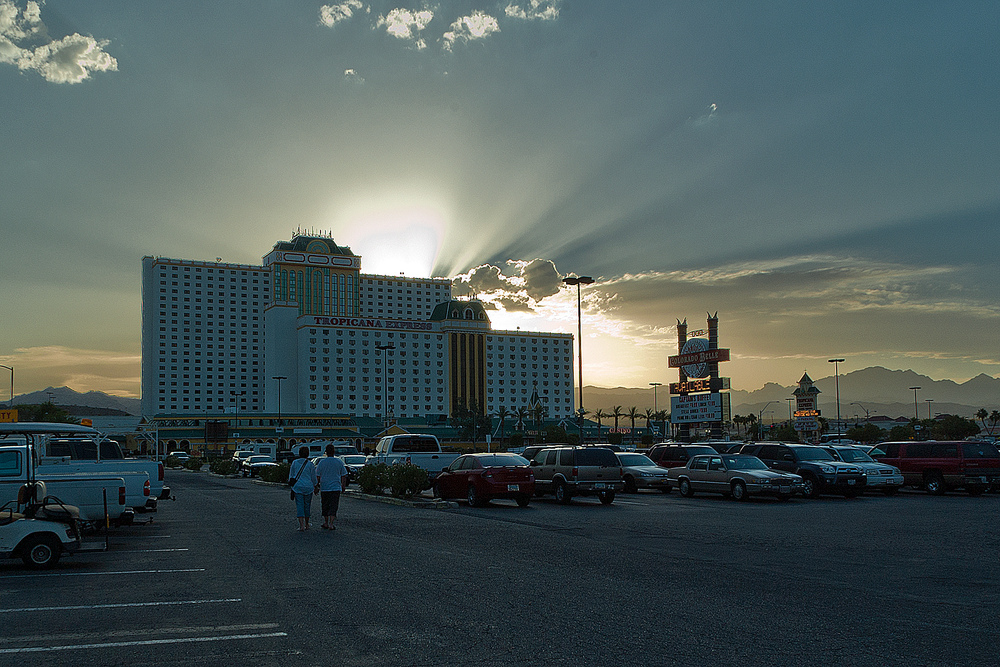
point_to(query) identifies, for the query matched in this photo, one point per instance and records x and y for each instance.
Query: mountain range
(873, 391)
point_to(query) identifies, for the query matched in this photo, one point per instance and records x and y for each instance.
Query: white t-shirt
(306, 480)
(330, 469)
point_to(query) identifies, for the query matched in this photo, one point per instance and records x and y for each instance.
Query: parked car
(179, 455)
(480, 478)
(241, 456)
(252, 465)
(639, 472)
(415, 448)
(820, 472)
(570, 471)
(532, 451)
(940, 466)
(41, 532)
(880, 477)
(354, 464)
(735, 475)
(670, 455)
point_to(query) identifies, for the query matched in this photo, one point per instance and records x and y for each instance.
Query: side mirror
(533, 463)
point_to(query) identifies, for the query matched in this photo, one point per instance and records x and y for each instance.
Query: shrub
(614, 438)
(223, 466)
(515, 440)
(646, 440)
(406, 479)
(278, 473)
(193, 463)
(374, 478)
(172, 462)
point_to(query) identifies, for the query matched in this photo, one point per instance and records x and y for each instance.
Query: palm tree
(502, 413)
(521, 414)
(617, 413)
(649, 415)
(633, 413)
(663, 417)
(600, 414)
(739, 420)
(994, 418)
(538, 411)
(981, 415)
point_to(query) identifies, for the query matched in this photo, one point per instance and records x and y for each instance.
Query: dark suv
(571, 471)
(820, 472)
(939, 466)
(673, 455)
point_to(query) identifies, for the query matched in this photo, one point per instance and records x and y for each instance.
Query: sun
(393, 240)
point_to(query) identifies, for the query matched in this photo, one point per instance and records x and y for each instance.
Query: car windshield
(256, 459)
(744, 463)
(852, 455)
(355, 459)
(502, 461)
(635, 460)
(813, 454)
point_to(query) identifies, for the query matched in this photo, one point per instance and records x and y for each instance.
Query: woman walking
(302, 479)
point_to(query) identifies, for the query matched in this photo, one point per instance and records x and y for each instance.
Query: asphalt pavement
(222, 577)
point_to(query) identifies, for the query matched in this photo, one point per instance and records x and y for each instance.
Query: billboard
(696, 408)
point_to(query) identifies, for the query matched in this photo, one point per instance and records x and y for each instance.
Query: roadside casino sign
(694, 386)
(695, 358)
(807, 420)
(696, 408)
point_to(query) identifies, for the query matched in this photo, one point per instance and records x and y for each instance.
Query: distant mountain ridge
(68, 398)
(878, 390)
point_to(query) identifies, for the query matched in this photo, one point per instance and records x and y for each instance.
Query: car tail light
(159, 471)
(145, 488)
(576, 471)
(121, 495)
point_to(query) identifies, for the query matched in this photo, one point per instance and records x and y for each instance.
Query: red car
(479, 478)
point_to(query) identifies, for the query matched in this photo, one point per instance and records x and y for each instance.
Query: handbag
(294, 481)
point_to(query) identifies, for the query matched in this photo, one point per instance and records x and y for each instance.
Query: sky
(824, 176)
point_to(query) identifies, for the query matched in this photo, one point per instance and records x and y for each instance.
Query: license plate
(599, 485)
(850, 482)
(512, 487)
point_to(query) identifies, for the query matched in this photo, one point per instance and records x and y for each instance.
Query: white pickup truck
(416, 448)
(87, 492)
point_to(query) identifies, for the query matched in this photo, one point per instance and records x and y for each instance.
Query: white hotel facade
(214, 335)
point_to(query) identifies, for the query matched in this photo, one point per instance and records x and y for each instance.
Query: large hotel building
(216, 335)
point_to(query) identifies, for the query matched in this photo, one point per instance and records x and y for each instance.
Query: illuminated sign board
(696, 408)
(703, 357)
(694, 386)
(807, 413)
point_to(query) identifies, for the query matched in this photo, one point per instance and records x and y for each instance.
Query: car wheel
(934, 483)
(523, 500)
(606, 497)
(810, 487)
(890, 492)
(976, 490)
(563, 495)
(739, 490)
(685, 488)
(41, 551)
(475, 500)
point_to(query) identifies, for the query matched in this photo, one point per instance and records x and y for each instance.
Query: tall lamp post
(654, 385)
(236, 399)
(867, 414)
(760, 417)
(790, 401)
(579, 280)
(915, 390)
(384, 349)
(11, 369)
(279, 378)
(928, 401)
(836, 370)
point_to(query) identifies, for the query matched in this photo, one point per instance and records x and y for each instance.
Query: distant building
(807, 409)
(216, 335)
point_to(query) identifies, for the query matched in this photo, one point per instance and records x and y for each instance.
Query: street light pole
(790, 401)
(11, 369)
(915, 415)
(836, 369)
(654, 385)
(760, 416)
(579, 280)
(279, 378)
(384, 349)
(928, 401)
(867, 414)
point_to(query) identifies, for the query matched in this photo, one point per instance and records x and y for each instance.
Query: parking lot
(222, 577)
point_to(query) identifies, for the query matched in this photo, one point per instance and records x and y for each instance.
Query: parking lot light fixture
(279, 378)
(836, 370)
(384, 349)
(578, 281)
(915, 390)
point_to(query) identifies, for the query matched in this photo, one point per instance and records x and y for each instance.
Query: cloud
(535, 280)
(351, 76)
(534, 10)
(406, 24)
(24, 42)
(79, 369)
(541, 278)
(477, 25)
(331, 15)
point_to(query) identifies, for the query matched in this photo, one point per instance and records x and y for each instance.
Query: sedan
(735, 475)
(354, 464)
(252, 465)
(479, 478)
(639, 472)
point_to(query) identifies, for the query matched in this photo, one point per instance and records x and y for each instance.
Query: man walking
(331, 474)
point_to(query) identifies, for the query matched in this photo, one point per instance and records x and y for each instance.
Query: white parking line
(120, 605)
(96, 574)
(141, 551)
(145, 642)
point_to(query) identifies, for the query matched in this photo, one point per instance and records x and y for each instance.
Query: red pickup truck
(939, 466)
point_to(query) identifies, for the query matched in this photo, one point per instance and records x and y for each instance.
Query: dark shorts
(331, 502)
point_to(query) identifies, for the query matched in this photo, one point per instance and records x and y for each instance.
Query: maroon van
(942, 465)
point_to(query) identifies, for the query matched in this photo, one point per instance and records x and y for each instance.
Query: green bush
(193, 463)
(406, 480)
(374, 479)
(172, 462)
(646, 440)
(614, 438)
(515, 440)
(223, 466)
(278, 473)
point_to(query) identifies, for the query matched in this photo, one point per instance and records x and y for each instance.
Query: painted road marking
(120, 605)
(141, 551)
(144, 642)
(95, 574)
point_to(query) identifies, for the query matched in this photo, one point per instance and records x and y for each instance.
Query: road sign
(8, 416)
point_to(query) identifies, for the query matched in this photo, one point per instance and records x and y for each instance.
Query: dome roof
(472, 310)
